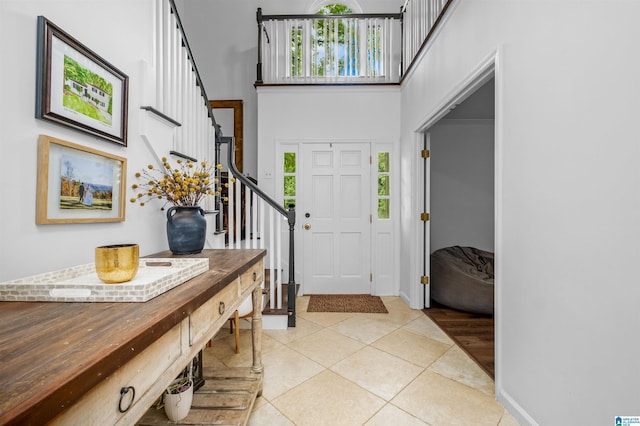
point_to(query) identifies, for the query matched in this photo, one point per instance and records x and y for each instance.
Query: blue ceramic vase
(186, 229)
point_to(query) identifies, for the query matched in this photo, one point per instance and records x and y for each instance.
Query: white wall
(567, 196)
(368, 114)
(461, 184)
(308, 114)
(127, 42)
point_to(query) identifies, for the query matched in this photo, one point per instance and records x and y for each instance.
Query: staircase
(181, 123)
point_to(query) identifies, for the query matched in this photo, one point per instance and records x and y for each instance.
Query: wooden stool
(235, 321)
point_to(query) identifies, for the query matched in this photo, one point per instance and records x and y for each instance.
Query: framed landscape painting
(77, 88)
(77, 184)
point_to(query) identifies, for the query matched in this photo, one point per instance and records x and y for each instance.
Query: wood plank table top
(52, 353)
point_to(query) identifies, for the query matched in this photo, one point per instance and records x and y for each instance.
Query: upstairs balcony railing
(353, 48)
(345, 49)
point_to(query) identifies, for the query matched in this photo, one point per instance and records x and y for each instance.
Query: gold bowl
(117, 263)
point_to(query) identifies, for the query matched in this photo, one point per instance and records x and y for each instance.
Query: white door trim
(490, 66)
(387, 286)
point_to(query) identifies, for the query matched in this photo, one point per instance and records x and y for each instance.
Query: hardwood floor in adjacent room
(474, 333)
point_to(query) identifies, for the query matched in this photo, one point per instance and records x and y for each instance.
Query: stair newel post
(291, 284)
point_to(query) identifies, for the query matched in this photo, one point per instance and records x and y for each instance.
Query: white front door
(335, 219)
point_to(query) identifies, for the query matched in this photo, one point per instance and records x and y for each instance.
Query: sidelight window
(289, 183)
(384, 187)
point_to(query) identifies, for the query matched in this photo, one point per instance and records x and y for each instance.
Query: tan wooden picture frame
(78, 184)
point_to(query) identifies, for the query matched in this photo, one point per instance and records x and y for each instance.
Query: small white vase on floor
(177, 405)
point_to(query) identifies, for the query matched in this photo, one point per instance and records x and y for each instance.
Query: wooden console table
(68, 363)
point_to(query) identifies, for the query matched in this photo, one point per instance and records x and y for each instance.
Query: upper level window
(336, 47)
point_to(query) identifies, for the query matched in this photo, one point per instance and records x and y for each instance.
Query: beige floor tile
(399, 313)
(456, 365)
(285, 369)
(508, 420)
(302, 303)
(402, 318)
(209, 360)
(395, 302)
(325, 319)
(326, 347)
(378, 372)
(364, 327)
(414, 348)
(425, 327)
(260, 401)
(224, 348)
(392, 415)
(439, 400)
(302, 328)
(328, 399)
(267, 414)
(338, 369)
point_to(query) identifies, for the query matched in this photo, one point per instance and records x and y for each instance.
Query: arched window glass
(339, 48)
(334, 9)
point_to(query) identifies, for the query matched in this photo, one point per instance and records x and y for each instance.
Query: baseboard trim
(514, 408)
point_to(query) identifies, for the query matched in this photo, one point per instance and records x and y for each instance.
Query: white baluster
(254, 220)
(238, 206)
(261, 226)
(247, 215)
(230, 215)
(271, 260)
(279, 259)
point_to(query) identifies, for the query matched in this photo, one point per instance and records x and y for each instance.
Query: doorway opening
(459, 194)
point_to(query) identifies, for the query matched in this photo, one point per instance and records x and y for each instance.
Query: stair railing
(256, 205)
(420, 18)
(182, 101)
(345, 49)
(180, 94)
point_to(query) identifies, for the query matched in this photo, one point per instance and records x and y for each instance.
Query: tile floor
(364, 369)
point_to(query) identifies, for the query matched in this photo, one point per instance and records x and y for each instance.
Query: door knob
(307, 226)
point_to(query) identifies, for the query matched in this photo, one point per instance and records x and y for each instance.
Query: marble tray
(81, 283)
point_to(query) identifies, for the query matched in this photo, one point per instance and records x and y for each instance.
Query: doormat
(357, 303)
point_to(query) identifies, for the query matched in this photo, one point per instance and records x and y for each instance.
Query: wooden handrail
(290, 214)
(336, 16)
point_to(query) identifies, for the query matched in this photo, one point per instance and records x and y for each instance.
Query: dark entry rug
(474, 333)
(360, 303)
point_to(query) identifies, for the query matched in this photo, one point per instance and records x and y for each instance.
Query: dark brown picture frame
(77, 88)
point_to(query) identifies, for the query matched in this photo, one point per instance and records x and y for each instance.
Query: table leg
(256, 330)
